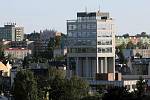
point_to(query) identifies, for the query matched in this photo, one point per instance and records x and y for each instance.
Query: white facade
(18, 53)
(91, 44)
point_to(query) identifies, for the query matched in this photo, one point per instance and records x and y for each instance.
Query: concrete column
(97, 65)
(105, 71)
(87, 67)
(77, 66)
(102, 66)
(114, 67)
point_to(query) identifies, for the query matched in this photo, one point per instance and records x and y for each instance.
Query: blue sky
(131, 16)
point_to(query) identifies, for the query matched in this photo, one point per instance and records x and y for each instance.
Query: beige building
(5, 69)
(18, 53)
(134, 39)
(145, 53)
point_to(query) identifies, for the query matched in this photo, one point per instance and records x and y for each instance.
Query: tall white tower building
(91, 44)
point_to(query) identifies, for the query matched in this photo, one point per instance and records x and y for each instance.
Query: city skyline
(130, 16)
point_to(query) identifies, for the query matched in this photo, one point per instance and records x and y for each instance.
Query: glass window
(83, 26)
(83, 34)
(72, 27)
(70, 34)
(79, 34)
(105, 50)
(79, 26)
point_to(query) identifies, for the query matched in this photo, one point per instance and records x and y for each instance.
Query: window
(70, 34)
(79, 34)
(72, 27)
(99, 50)
(105, 42)
(93, 26)
(105, 50)
(83, 34)
(79, 26)
(104, 34)
(83, 26)
(88, 26)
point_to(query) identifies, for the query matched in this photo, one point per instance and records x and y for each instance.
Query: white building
(91, 44)
(18, 53)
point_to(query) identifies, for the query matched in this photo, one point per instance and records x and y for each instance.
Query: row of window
(105, 50)
(89, 34)
(82, 50)
(90, 50)
(105, 42)
(86, 18)
(82, 26)
(104, 26)
(82, 42)
(81, 34)
(90, 26)
(104, 34)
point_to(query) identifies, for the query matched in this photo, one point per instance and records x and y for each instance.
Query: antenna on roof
(99, 7)
(86, 9)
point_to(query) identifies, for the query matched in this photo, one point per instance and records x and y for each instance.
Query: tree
(57, 41)
(25, 62)
(126, 35)
(118, 93)
(2, 51)
(53, 72)
(139, 45)
(25, 86)
(143, 34)
(138, 55)
(67, 89)
(130, 45)
(75, 89)
(121, 56)
(141, 87)
(51, 46)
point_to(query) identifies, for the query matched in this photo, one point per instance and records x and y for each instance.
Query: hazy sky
(131, 16)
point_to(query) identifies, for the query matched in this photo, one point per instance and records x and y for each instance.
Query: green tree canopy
(1, 51)
(130, 45)
(25, 86)
(141, 87)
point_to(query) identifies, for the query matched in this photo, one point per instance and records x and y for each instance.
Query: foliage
(141, 87)
(53, 43)
(61, 88)
(53, 72)
(126, 35)
(76, 88)
(118, 93)
(25, 62)
(1, 51)
(57, 41)
(138, 55)
(130, 45)
(121, 93)
(91, 98)
(25, 86)
(119, 53)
